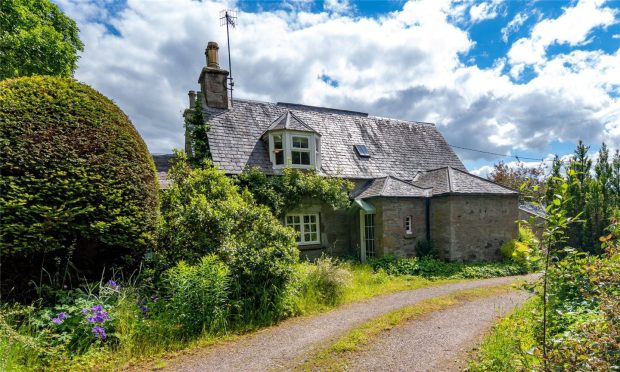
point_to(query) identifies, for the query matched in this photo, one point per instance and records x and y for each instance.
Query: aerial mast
(228, 17)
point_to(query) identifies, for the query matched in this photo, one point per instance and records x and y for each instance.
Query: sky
(515, 78)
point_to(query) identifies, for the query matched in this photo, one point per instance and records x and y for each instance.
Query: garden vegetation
(573, 321)
(78, 184)
(36, 38)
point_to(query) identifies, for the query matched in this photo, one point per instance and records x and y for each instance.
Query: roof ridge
(384, 184)
(411, 184)
(449, 178)
(288, 119)
(402, 121)
(487, 180)
(303, 123)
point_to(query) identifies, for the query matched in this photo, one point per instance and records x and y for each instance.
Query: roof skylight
(362, 151)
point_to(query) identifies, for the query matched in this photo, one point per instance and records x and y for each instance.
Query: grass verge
(508, 346)
(336, 356)
(367, 283)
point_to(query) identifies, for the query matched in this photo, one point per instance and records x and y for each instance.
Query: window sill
(310, 247)
(409, 236)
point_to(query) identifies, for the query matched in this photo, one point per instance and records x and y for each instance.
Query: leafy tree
(531, 181)
(78, 181)
(286, 192)
(204, 212)
(198, 130)
(593, 194)
(36, 38)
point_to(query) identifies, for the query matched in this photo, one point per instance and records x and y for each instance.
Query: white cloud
(572, 27)
(514, 25)
(337, 6)
(483, 11)
(405, 64)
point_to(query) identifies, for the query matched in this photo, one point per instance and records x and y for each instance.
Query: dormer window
(292, 143)
(278, 149)
(300, 150)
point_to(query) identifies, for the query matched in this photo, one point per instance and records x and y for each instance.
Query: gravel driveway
(292, 341)
(438, 342)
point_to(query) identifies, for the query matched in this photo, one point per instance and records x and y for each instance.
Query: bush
(433, 268)
(198, 295)
(325, 282)
(77, 183)
(523, 250)
(425, 248)
(92, 317)
(204, 212)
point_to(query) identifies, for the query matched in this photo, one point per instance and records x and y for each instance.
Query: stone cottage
(410, 186)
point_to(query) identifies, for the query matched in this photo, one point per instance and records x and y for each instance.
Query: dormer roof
(288, 121)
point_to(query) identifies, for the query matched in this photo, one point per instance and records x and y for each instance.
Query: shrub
(198, 295)
(523, 250)
(204, 212)
(434, 268)
(77, 180)
(284, 193)
(91, 317)
(325, 282)
(425, 248)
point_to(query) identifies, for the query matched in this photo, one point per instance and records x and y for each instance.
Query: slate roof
(162, 165)
(533, 209)
(448, 180)
(390, 187)
(397, 148)
(291, 122)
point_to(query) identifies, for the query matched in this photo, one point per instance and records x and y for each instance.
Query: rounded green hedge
(77, 178)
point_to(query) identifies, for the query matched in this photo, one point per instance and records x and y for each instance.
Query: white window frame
(313, 150)
(409, 225)
(302, 231)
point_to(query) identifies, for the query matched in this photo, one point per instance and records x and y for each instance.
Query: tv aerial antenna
(228, 18)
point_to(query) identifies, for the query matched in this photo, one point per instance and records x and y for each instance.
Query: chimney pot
(192, 99)
(212, 55)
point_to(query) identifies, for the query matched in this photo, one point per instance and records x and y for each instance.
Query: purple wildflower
(62, 315)
(85, 311)
(115, 286)
(99, 332)
(57, 321)
(97, 308)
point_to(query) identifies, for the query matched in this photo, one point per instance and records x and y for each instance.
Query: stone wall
(334, 229)
(391, 237)
(473, 227)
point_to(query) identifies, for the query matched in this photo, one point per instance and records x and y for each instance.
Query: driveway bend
(292, 341)
(438, 342)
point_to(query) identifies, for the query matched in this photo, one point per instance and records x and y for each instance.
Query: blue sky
(511, 77)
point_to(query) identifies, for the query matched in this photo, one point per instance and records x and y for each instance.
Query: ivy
(286, 192)
(198, 129)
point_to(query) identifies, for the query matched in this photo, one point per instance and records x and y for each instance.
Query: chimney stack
(212, 54)
(213, 80)
(192, 99)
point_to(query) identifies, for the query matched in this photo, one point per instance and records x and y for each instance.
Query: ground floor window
(408, 225)
(306, 226)
(369, 234)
